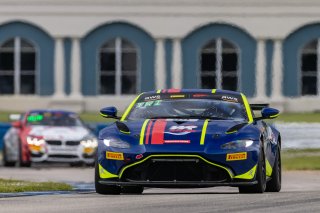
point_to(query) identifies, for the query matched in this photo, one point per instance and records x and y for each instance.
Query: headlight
(116, 143)
(89, 142)
(237, 144)
(35, 141)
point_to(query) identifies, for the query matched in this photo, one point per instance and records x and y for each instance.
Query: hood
(59, 133)
(162, 135)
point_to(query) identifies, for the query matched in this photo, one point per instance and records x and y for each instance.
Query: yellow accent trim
(124, 132)
(203, 132)
(143, 129)
(247, 106)
(213, 91)
(177, 96)
(103, 115)
(248, 175)
(274, 116)
(176, 155)
(232, 132)
(268, 168)
(124, 116)
(105, 174)
(159, 91)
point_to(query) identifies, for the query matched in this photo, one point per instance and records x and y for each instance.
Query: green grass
(299, 117)
(284, 117)
(301, 159)
(9, 186)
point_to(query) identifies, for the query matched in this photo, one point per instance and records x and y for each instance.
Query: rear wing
(258, 107)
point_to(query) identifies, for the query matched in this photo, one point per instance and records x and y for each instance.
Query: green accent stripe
(203, 132)
(268, 168)
(248, 175)
(124, 132)
(247, 106)
(176, 155)
(126, 113)
(274, 116)
(143, 129)
(105, 174)
(232, 132)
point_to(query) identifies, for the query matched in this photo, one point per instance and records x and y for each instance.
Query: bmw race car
(189, 138)
(49, 136)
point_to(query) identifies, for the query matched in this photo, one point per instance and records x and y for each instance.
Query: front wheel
(260, 187)
(274, 185)
(104, 189)
(6, 163)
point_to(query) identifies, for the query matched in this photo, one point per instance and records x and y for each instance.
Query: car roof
(220, 91)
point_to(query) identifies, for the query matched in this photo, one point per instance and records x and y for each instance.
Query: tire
(132, 189)
(104, 189)
(21, 162)
(274, 185)
(260, 187)
(6, 163)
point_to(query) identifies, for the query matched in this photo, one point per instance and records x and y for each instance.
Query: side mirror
(109, 112)
(16, 124)
(269, 113)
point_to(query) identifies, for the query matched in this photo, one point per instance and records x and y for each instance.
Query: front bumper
(177, 184)
(62, 154)
(178, 170)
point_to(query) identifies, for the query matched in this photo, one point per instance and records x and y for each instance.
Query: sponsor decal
(199, 95)
(176, 141)
(139, 156)
(170, 90)
(229, 98)
(236, 156)
(182, 128)
(181, 119)
(114, 155)
(34, 118)
(148, 104)
(152, 98)
(177, 96)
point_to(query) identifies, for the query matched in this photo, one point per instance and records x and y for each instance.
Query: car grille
(73, 143)
(175, 169)
(54, 143)
(63, 156)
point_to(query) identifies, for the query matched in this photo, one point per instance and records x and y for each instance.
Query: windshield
(217, 107)
(53, 119)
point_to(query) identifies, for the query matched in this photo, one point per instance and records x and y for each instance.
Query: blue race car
(189, 138)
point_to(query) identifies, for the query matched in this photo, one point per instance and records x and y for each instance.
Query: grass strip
(11, 186)
(301, 159)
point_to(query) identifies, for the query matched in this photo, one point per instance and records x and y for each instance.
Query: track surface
(301, 193)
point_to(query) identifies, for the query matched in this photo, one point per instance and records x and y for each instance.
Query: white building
(85, 55)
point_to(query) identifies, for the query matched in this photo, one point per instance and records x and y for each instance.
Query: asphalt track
(301, 193)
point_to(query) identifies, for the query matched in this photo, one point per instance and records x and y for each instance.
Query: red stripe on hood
(158, 132)
(148, 132)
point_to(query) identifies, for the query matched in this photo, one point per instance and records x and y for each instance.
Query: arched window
(118, 67)
(17, 67)
(310, 68)
(219, 65)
